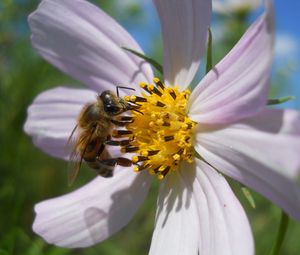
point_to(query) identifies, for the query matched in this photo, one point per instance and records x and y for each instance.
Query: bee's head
(113, 105)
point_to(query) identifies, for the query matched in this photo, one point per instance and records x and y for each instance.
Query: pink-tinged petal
(177, 221)
(223, 224)
(237, 87)
(262, 152)
(84, 42)
(52, 117)
(94, 212)
(184, 27)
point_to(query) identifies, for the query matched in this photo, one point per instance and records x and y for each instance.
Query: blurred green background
(29, 176)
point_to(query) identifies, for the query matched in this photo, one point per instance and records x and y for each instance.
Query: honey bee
(93, 128)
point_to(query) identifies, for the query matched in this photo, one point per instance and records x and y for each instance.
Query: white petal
(199, 214)
(52, 117)
(177, 220)
(184, 27)
(237, 86)
(224, 227)
(262, 152)
(84, 42)
(94, 212)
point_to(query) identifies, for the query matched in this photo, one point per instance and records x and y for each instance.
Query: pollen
(161, 133)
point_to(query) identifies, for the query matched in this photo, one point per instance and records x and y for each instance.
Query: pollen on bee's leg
(163, 133)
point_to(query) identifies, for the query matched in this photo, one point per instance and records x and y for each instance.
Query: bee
(93, 128)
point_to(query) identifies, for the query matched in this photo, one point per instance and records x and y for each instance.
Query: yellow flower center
(161, 132)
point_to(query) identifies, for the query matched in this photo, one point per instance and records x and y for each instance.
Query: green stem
(284, 222)
(151, 61)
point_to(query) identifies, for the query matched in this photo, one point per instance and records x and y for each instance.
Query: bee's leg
(123, 121)
(118, 143)
(125, 142)
(116, 161)
(101, 149)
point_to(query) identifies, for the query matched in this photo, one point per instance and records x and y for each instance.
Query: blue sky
(287, 41)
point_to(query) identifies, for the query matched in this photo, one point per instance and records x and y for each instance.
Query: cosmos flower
(224, 119)
(234, 6)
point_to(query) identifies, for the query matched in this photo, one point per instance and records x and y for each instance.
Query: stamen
(155, 90)
(136, 159)
(134, 99)
(139, 168)
(172, 94)
(158, 83)
(162, 133)
(144, 86)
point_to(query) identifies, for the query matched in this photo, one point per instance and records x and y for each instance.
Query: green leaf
(209, 63)
(280, 100)
(283, 226)
(248, 196)
(151, 61)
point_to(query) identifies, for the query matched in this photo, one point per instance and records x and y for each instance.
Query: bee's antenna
(121, 87)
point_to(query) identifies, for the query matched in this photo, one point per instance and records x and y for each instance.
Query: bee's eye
(113, 109)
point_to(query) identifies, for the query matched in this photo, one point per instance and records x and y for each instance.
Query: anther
(130, 149)
(136, 159)
(141, 167)
(144, 86)
(160, 104)
(138, 99)
(151, 153)
(168, 138)
(172, 94)
(167, 169)
(166, 124)
(159, 83)
(156, 91)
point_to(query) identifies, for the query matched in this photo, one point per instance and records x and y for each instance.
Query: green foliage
(209, 58)
(280, 100)
(29, 176)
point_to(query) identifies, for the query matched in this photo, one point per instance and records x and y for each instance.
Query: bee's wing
(74, 165)
(77, 154)
(75, 158)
